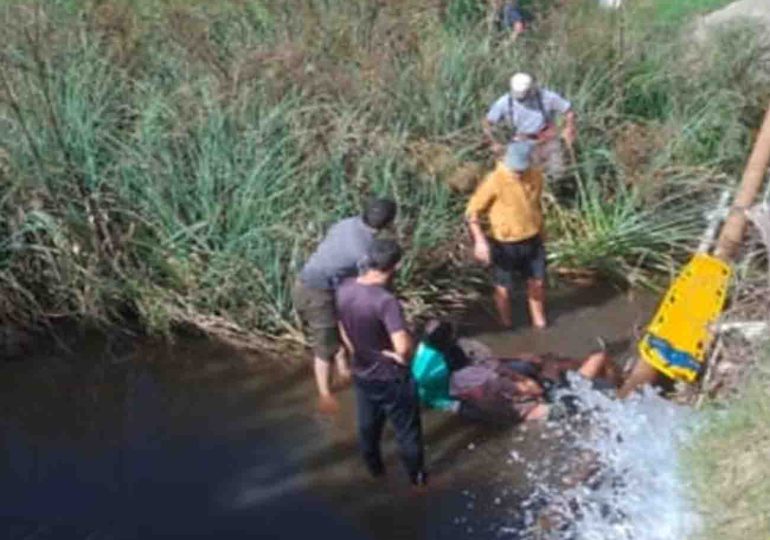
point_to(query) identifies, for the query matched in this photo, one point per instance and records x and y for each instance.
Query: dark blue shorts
(525, 258)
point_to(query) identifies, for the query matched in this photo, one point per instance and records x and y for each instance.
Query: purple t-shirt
(369, 314)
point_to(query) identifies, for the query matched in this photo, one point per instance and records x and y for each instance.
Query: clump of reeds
(179, 161)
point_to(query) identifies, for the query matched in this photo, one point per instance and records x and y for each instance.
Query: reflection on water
(195, 440)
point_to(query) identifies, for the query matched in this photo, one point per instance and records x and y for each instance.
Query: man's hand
(547, 134)
(397, 358)
(498, 150)
(327, 404)
(482, 252)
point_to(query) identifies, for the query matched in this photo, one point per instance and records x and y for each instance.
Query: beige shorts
(318, 314)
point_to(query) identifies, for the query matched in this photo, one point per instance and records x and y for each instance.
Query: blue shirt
(527, 116)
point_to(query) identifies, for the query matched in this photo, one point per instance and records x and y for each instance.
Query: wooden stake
(735, 225)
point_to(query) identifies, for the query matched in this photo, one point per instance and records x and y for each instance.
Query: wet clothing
(530, 116)
(486, 386)
(370, 314)
(512, 202)
(430, 370)
(395, 400)
(526, 259)
(493, 389)
(339, 254)
(319, 316)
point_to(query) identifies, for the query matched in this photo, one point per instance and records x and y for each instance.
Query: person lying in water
(516, 389)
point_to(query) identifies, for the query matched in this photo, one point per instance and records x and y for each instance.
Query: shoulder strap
(548, 117)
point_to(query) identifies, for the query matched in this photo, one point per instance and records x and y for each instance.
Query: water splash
(621, 480)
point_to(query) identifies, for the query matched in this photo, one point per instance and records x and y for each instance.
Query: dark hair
(379, 213)
(439, 334)
(383, 255)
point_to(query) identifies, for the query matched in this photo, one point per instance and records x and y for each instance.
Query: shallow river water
(195, 440)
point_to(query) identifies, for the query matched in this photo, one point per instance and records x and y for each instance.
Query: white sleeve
(553, 102)
(498, 110)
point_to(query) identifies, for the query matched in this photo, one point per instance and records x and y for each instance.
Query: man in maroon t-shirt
(375, 332)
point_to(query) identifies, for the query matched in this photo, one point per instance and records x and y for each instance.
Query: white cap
(521, 83)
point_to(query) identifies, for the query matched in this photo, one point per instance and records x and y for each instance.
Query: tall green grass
(179, 160)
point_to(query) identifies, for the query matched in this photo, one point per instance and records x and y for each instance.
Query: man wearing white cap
(529, 113)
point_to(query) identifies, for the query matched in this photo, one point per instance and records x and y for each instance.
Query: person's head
(518, 155)
(379, 213)
(383, 257)
(439, 334)
(522, 85)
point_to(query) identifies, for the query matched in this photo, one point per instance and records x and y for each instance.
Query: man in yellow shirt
(510, 197)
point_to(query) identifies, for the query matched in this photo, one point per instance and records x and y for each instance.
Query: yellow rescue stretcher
(679, 336)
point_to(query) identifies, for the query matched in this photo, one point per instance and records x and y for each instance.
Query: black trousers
(397, 401)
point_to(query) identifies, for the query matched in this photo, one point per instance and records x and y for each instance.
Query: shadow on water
(195, 440)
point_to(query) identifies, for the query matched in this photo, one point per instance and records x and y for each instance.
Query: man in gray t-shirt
(337, 257)
(529, 113)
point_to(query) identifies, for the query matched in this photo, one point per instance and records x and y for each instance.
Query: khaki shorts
(318, 314)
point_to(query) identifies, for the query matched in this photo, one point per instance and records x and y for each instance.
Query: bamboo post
(730, 236)
(732, 231)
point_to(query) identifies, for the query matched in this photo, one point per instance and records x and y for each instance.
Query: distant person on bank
(375, 332)
(510, 197)
(528, 113)
(508, 16)
(337, 257)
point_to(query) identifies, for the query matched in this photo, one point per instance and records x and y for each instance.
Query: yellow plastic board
(681, 331)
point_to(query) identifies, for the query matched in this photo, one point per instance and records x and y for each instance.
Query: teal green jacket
(431, 374)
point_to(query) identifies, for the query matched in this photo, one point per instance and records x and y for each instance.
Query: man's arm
(496, 113)
(558, 104)
(478, 204)
(481, 249)
(402, 347)
(497, 148)
(395, 324)
(570, 127)
(346, 339)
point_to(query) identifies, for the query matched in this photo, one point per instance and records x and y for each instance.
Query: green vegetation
(678, 11)
(178, 160)
(730, 463)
